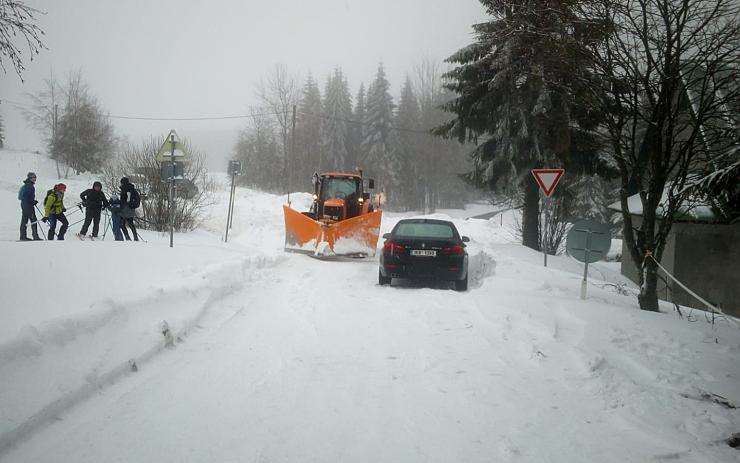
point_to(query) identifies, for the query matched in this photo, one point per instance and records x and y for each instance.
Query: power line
(350, 121)
(198, 118)
(240, 116)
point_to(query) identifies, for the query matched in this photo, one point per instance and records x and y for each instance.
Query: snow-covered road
(285, 358)
(312, 361)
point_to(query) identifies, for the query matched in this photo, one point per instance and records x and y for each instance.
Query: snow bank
(83, 352)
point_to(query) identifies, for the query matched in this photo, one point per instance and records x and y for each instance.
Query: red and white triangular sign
(547, 179)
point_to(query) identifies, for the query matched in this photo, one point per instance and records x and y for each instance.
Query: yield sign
(547, 179)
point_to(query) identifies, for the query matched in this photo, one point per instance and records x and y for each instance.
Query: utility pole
(54, 136)
(292, 154)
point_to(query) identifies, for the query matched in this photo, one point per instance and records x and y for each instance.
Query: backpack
(21, 191)
(134, 199)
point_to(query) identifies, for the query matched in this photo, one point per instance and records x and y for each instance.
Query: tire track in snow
(119, 325)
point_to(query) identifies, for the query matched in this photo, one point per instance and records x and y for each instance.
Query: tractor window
(338, 188)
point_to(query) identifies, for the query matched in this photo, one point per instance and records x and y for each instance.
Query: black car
(424, 249)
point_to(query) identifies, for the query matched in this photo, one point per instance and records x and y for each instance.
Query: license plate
(423, 252)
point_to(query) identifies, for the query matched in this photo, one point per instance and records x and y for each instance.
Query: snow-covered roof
(698, 211)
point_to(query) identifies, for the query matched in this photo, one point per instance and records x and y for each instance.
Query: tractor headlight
(315, 197)
(361, 200)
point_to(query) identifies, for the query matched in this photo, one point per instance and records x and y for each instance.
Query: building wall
(704, 257)
(709, 264)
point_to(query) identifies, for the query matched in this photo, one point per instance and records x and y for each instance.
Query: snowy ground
(279, 357)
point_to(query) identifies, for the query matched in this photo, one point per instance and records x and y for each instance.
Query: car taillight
(455, 250)
(394, 248)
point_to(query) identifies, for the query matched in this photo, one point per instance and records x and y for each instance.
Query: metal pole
(544, 230)
(584, 283)
(233, 201)
(172, 191)
(228, 213)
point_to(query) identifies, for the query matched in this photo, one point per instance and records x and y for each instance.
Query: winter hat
(61, 187)
(30, 174)
(98, 184)
(124, 181)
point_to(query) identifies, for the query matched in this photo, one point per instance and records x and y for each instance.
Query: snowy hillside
(120, 351)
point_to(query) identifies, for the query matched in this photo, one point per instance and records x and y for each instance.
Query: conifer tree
(517, 94)
(357, 130)
(406, 149)
(378, 122)
(308, 133)
(337, 112)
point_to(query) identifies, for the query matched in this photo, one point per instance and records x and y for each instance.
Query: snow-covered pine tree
(516, 99)
(308, 133)
(406, 148)
(590, 200)
(337, 112)
(378, 122)
(357, 130)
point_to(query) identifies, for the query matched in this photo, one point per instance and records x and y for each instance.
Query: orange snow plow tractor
(342, 220)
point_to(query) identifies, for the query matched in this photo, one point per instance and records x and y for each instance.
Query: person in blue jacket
(27, 196)
(114, 205)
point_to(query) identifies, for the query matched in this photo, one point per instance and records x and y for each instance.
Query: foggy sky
(189, 58)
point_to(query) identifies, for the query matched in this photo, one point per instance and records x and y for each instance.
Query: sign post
(588, 241)
(172, 189)
(172, 155)
(235, 168)
(547, 179)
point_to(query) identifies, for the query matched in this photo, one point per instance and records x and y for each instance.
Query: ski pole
(39, 220)
(73, 224)
(107, 222)
(35, 222)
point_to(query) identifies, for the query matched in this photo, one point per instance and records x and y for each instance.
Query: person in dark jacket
(95, 201)
(27, 195)
(127, 213)
(54, 209)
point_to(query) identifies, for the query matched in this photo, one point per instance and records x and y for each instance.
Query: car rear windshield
(425, 230)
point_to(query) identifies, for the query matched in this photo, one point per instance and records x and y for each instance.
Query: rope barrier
(686, 288)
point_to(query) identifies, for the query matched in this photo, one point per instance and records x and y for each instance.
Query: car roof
(433, 221)
(339, 174)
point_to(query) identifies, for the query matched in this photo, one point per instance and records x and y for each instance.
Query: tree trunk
(648, 297)
(531, 214)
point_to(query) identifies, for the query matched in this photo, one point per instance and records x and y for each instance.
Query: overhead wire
(240, 116)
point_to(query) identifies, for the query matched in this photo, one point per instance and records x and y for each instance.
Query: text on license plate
(423, 252)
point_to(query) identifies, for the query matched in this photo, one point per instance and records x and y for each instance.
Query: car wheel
(462, 285)
(382, 281)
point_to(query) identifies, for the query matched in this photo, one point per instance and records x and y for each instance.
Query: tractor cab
(339, 197)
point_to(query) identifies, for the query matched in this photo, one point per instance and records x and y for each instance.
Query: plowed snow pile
(240, 352)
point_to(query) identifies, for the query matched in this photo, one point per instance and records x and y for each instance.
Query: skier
(54, 210)
(115, 216)
(94, 201)
(130, 200)
(27, 196)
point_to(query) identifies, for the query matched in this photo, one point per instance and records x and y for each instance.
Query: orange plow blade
(355, 236)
